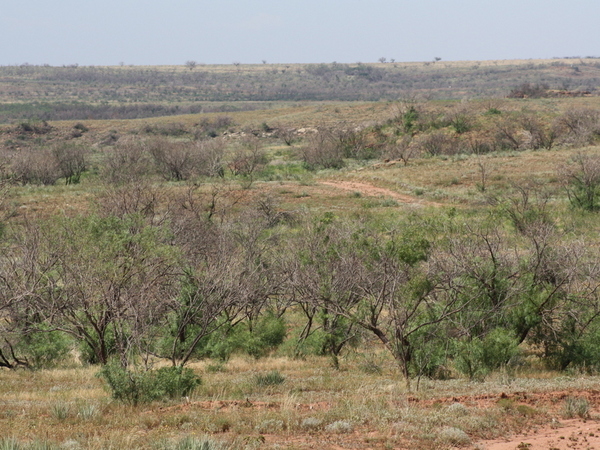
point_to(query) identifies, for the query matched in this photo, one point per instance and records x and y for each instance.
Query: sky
(160, 32)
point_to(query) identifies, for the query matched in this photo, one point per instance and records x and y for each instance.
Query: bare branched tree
(248, 159)
(322, 277)
(404, 149)
(110, 284)
(71, 161)
(581, 126)
(126, 162)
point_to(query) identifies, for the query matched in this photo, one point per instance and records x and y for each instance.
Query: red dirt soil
(560, 435)
(556, 434)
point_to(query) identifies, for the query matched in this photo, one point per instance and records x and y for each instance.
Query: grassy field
(360, 406)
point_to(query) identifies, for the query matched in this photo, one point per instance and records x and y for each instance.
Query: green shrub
(409, 119)
(430, 355)
(468, 359)
(265, 334)
(478, 357)
(296, 347)
(492, 112)
(146, 386)
(499, 346)
(89, 355)
(575, 350)
(461, 124)
(268, 333)
(81, 127)
(44, 349)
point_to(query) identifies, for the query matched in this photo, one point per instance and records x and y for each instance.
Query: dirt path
(370, 190)
(563, 435)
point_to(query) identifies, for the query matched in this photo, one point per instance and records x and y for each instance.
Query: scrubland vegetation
(88, 92)
(390, 274)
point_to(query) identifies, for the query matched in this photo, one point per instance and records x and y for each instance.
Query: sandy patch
(560, 435)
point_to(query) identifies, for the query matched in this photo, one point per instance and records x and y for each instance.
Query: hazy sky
(153, 32)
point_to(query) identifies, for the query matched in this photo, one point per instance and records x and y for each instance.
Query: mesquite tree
(109, 284)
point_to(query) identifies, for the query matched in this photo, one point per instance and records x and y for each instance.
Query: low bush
(311, 423)
(61, 410)
(438, 142)
(270, 426)
(35, 166)
(71, 161)
(88, 411)
(146, 386)
(43, 349)
(322, 153)
(257, 339)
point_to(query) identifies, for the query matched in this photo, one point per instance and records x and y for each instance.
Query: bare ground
(559, 435)
(550, 432)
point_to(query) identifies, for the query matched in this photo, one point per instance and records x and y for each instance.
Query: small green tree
(409, 120)
(581, 180)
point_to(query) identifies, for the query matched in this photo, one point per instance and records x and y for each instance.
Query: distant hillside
(122, 92)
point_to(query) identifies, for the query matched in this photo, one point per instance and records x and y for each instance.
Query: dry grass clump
(339, 426)
(454, 436)
(272, 378)
(311, 423)
(88, 411)
(576, 407)
(457, 410)
(61, 410)
(193, 443)
(270, 426)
